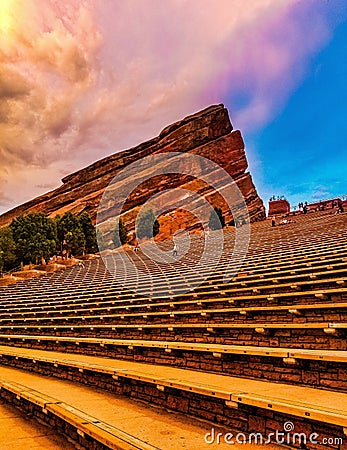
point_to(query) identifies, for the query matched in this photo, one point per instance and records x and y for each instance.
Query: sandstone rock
(208, 133)
(277, 207)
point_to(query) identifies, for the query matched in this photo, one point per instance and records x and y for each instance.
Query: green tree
(7, 249)
(89, 233)
(148, 225)
(70, 234)
(120, 234)
(102, 240)
(34, 236)
(216, 221)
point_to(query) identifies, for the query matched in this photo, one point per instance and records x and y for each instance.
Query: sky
(82, 79)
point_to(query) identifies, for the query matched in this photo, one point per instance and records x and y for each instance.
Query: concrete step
(154, 427)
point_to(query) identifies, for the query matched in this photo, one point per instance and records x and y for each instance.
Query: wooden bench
(328, 327)
(216, 349)
(84, 424)
(170, 308)
(262, 268)
(314, 404)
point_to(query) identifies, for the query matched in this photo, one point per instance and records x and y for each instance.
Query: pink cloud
(276, 56)
(80, 79)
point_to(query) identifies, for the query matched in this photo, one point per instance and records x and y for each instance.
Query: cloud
(272, 60)
(321, 192)
(46, 68)
(5, 201)
(80, 79)
(45, 186)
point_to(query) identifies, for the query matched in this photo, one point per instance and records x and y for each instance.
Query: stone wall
(310, 373)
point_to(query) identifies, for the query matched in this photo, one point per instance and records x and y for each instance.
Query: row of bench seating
(294, 400)
(281, 319)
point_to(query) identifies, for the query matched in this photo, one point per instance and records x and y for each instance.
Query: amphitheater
(86, 363)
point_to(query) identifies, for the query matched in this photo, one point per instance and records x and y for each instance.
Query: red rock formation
(208, 133)
(277, 207)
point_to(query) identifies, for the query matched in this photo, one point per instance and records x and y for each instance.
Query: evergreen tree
(216, 221)
(101, 240)
(148, 225)
(7, 249)
(89, 233)
(120, 234)
(34, 236)
(70, 235)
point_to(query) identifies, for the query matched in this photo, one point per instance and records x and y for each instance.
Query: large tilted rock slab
(208, 133)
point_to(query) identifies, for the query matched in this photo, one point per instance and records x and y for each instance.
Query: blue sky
(302, 152)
